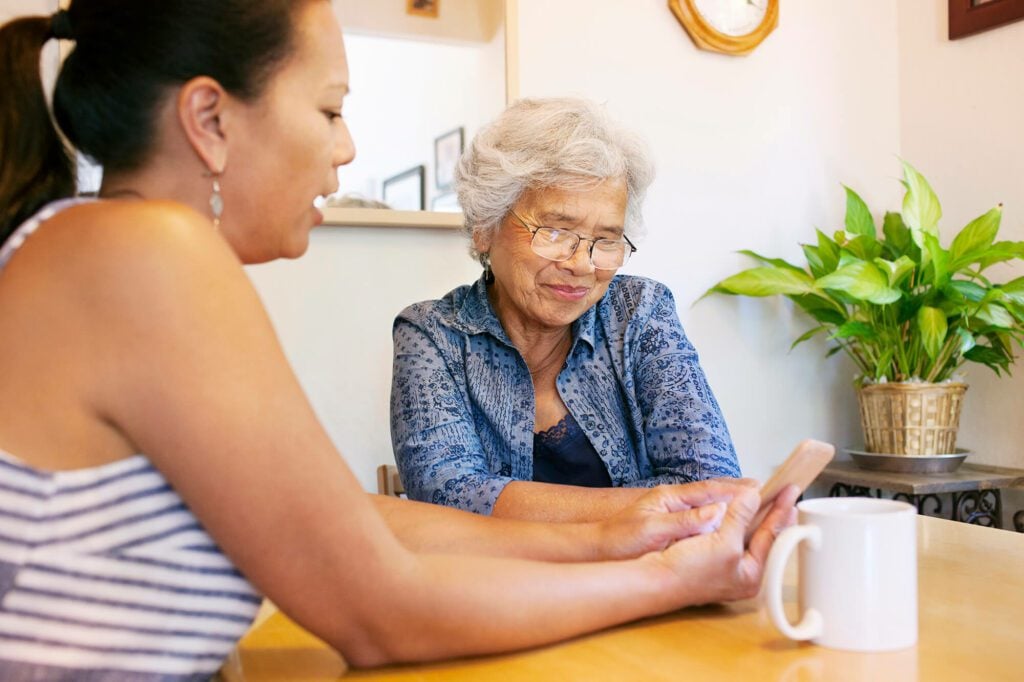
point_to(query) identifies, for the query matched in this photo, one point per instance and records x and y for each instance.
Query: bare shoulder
(125, 252)
(101, 231)
(154, 272)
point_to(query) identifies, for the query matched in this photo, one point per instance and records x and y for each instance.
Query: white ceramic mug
(857, 574)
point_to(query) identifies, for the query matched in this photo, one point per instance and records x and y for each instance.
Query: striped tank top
(105, 574)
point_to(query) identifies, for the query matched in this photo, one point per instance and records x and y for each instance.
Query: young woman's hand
(667, 514)
(716, 566)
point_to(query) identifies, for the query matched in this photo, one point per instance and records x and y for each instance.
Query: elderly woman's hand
(666, 514)
(717, 565)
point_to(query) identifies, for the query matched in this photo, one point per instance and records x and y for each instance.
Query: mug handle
(810, 625)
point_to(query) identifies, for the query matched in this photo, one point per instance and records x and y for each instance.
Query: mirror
(416, 80)
(421, 87)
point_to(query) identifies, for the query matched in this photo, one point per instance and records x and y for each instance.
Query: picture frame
(968, 17)
(447, 150)
(406, 190)
(423, 8)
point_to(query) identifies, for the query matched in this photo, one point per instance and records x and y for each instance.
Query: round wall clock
(730, 26)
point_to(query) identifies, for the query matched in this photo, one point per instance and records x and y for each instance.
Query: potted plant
(907, 310)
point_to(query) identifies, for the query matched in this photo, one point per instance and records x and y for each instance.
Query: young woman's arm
(174, 351)
(652, 522)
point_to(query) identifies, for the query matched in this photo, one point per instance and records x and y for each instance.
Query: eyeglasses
(561, 245)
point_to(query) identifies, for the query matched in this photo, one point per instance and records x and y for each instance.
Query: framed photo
(423, 8)
(405, 191)
(447, 150)
(967, 17)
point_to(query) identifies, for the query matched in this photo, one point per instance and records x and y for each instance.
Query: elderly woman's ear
(482, 240)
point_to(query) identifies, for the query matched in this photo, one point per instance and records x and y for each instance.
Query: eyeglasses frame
(533, 229)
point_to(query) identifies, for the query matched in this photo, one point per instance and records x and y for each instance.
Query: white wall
(333, 311)
(10, 9)
(960, 122)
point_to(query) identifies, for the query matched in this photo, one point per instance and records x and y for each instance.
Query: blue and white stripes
(106, 570)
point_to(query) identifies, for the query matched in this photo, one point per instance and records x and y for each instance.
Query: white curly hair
(564, 143)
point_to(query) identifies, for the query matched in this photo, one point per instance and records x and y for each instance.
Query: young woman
(159, 463)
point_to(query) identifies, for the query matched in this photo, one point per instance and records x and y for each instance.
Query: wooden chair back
(388, 481)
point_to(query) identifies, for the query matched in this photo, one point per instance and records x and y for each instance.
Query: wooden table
(975, 488)
(971, 594)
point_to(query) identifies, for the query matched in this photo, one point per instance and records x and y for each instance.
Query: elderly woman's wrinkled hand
(668, 513)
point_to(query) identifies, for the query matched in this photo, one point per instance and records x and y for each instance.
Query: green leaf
(932, 323)
(833, 350)
(907, 308)
(1000, 252)
(969, 290)
(847, 258)
(940, 261)
(864, 247)
(884, 360)
(829, 252)
(858, 217)
(818, 307)
(995, 315)
(777, 262)
(1014, 290)
(862, 281)
(921, 208)
(1017, 311)
(897, 236)
(974, 240)
(967, 341)
(1002, 341)
(897, 270)
(989, 357)
(814, 260)
(767, 281)
(856, 330)
(807, 335)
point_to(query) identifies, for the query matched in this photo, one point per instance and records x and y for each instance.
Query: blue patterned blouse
(462, 401)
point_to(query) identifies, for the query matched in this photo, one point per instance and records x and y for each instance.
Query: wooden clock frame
(706, 37)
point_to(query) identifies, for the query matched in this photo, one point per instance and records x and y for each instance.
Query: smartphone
(802, 466)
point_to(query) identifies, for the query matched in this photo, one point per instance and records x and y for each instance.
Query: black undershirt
(562, 454)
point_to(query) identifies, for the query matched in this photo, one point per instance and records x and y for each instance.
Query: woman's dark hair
(127, 56)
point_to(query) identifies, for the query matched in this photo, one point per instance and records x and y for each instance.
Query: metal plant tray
(909, 464)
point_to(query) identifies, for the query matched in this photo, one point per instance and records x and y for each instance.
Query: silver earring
(485, 260)
(216, 200)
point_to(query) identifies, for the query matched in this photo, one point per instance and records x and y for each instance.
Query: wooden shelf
(379, 217)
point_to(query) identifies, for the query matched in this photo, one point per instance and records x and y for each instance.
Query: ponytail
(35, 166)
(128, 56)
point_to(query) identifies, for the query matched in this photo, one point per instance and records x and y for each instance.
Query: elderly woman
(551, 388)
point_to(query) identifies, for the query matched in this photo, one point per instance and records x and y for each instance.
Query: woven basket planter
(911, 418)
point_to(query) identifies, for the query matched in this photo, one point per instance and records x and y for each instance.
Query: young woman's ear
(202, 104)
